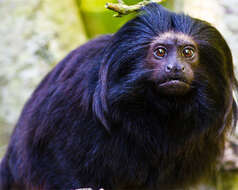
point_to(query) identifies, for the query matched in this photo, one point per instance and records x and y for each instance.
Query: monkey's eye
(188, 52)
(160, 52)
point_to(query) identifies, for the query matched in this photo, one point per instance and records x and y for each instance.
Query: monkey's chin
(174, 87)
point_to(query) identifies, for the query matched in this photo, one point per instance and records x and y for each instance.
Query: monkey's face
(167, 62)
(173, 57)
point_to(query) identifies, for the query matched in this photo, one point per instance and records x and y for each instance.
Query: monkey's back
(59, 104)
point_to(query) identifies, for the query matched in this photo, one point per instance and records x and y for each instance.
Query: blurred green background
(36, 34)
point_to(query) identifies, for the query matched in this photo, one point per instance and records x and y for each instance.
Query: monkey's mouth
(174, 87)
(174, 84)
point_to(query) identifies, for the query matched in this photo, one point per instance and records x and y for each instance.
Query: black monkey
(147, 108)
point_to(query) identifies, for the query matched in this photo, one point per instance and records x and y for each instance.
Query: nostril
(168, 68)
(175, 68)
(179, 68)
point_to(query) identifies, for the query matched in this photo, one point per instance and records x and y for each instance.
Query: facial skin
(173, 56)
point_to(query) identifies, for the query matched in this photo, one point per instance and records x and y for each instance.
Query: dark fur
(97, 121)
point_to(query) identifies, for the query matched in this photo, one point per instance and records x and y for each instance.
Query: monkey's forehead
(175, 38)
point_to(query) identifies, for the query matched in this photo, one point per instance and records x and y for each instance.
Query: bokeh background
(36, 34)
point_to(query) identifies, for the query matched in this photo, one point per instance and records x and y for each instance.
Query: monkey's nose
(174, 68)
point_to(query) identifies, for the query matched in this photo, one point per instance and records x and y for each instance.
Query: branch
(122, 9)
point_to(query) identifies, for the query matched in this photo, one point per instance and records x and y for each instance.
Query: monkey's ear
(100, 107)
